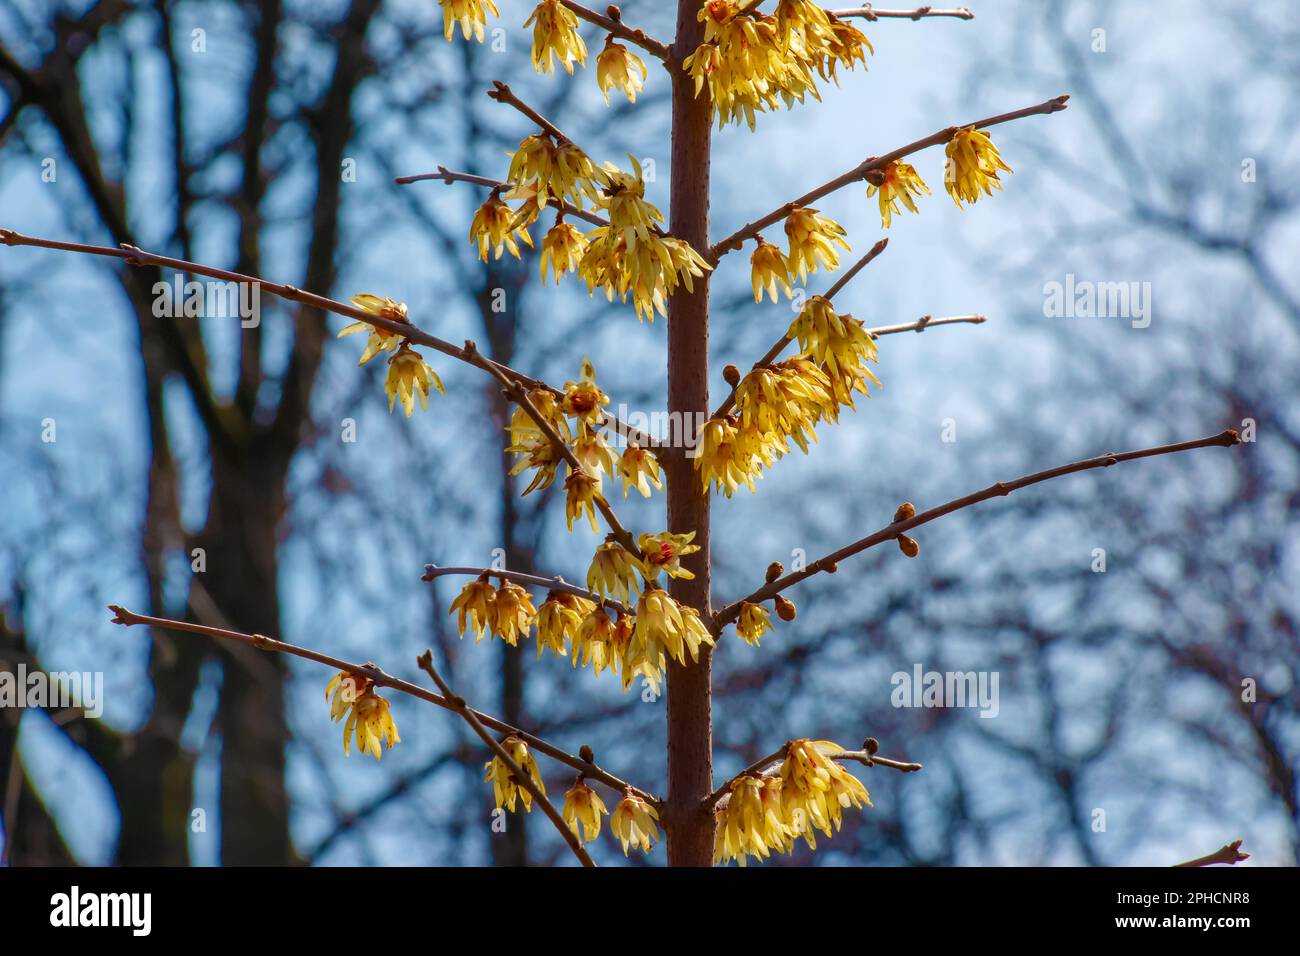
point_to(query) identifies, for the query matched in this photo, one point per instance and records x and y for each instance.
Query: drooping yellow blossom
(664, 627)
(370, 720)
(505, 788)
(470, 14)
(574, 176)
(494, 229)
(380, 340)
(582, 811)
(631, 216)
(815, 789)
(555, 35)
(539, 453)
(580, 493)
(617, 68)
(972, 166)
(813, 238)
(839, 342)
(409, 375)
(584, 399)
(782, 401)
(769, 268)
(664, 552)
(512, 613)
(476, 603)
(650, 271)
(562, 249)
(753, 623)
(900, 183)
(634, 823)
(721, 460)
(591, 449)
(845, 46)
(592, 642)
(614, 573)
(750, 821)
(540, 171)
(559, 619)
(639, 469)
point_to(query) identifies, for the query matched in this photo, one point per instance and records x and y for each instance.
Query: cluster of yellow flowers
(753, 62)
(369, 719)
(408, 374)
(505, 787)
(971, 170)
(555, 37)
(784, 401)
(633, 822)
(813, 239)
(766, 813)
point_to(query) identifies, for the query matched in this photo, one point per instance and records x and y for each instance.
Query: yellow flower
(555, 34)
(574, 176)
(372, 723)
(381, 340)
(631, 217)
(529, 443)
(344, 688)
(664, 552)
(639, 469)
(592, 642)
(559, 619)
(722, 460)
(494, 229)
(595, 454)
(613, 572)
(780, 401)
(972, 166)
(582, 810)
(839, 342)
(815, 788)
(512, 613)
(813, 238)
(900, 183)
(650, 268)
(633, 822)
(660, 629)
(750, 821)
(505, 788)
(845, 46)
(695, 632)
(470, 14)
(539, 169)
(562, 249)
(477, 603)
(769, 268)
(616, 68)
(753, 623)
(583, 399)
(538, 453)
(580, 492)
(409, 375)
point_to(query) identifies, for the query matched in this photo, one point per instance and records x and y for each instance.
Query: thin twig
(872, 164)
(502, 93)
(432, 572)
(830, 562)
(380, 679)
(519, 396)
(1229, 853)
(450, 176)
(780, 345)
(869, 12)
(924, 322)
(615, 25)
(135, 256)
(864, 757)
(520, 776)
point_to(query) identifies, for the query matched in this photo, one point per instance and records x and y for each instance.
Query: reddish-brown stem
(381, 679)
(872, 164)
(690, 716)
(1000, 489)
(618, 28)
(1229, 853)
(520, 776)
(449, 176)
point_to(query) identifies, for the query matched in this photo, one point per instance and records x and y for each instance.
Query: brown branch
(1000, 489)
(502, 93)
(516, 393)
(780, 345)
(449, 176)
(869, 12)
(866, 757)
(458, 705)
(433, 572)
(925, 322)
(135, 256)
(1229, 853)
(872, 164)
(615, 25)
(380, 679)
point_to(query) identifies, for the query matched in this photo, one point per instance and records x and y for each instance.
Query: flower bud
(905, 510)
(774, 571)
(785, 609)
(908, 546)
(731, 375)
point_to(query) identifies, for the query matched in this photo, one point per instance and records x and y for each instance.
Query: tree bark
(690, 721)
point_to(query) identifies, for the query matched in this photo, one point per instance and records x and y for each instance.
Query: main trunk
(690, 719)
